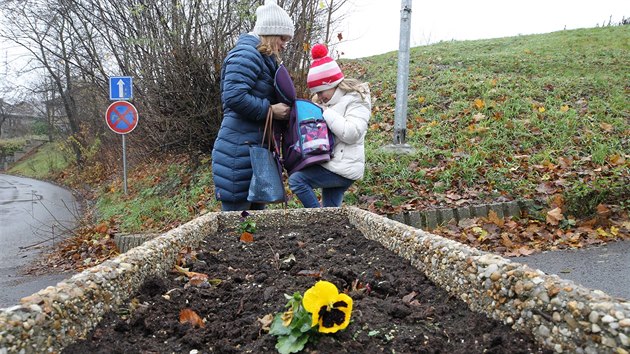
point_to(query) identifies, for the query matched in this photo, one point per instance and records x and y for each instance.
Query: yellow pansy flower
(328, 308)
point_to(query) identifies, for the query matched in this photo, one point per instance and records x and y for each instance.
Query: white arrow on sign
(121, 88)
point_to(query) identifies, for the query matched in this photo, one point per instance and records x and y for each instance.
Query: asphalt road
(606, 267)
(33, 216)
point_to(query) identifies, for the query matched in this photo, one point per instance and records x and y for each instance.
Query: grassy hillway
(541, 117)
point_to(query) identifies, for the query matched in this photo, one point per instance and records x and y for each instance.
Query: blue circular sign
(121, 117)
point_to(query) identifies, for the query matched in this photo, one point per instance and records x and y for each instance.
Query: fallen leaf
(186, 255)
(495, 219)
(557, 200)
(407, 298)
(606, 127)
(614, 231)
(247, 237)
(190, 274)
(266, 321)
(546, 188)
(289, 259)
(481, 233)
(565, 162)
(198, 279)
(601, 232)
(525, 251)
(310, 273)
(511, 224)
(467, 223)
(617, 160)
(191, 317)
(479, 117)
(603, 211)
(554, 216)
(588, 224)
(453, 196)
(505, 240)
(522, 251)
(462, 202)
(549, 166)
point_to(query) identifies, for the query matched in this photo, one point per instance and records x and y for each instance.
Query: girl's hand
(315, 99)
(280, 111)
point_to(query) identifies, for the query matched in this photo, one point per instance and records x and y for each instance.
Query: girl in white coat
(347, 110)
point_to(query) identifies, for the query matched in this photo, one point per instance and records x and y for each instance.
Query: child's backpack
(305, 139)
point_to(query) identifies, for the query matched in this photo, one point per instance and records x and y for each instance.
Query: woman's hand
(280, 111)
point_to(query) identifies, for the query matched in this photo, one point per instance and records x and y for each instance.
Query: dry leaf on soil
(265, 322)
(407, 298)
(247, 237)
(190, 316)
(310, 273)
(195, 278)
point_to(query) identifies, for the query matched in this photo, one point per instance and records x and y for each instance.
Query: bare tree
(173, 49)
(41, 29)
(3, 114)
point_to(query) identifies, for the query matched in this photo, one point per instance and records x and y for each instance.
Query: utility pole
(400, 116)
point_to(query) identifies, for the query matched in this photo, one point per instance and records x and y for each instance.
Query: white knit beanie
(272, 20)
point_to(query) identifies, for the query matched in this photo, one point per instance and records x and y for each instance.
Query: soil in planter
(402, 312)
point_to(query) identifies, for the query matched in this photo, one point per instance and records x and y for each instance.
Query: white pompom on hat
(272, 20)
(324, 72)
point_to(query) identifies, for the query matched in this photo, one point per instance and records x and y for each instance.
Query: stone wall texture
(562, 315)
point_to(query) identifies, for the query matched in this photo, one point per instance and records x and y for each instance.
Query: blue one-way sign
(120, 88)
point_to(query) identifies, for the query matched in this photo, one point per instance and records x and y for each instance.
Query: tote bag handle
(268, 132)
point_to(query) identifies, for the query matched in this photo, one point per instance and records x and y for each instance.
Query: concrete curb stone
(430, 219)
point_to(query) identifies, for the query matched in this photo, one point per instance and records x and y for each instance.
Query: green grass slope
(43, 163)
(538, 116)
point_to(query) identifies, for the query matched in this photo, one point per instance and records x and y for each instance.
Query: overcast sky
(374, 25)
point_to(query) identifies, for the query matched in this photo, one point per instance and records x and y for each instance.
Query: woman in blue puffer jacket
(247, 92)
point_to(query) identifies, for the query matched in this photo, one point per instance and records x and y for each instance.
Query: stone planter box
(562, 316)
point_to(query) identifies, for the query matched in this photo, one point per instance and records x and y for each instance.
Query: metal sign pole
(124, 149)
(121, 116)
(399, 144)
(400, 119)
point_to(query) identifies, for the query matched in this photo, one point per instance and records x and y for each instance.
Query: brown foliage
(172, 49)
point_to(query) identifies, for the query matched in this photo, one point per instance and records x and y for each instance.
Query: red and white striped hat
(324, 72)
